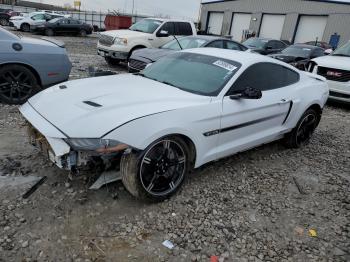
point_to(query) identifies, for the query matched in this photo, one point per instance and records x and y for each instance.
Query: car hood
(92, 107)
(339, 62)
(152, 54)
(125, 33)
(287, 58)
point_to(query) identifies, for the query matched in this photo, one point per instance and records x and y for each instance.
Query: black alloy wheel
(49, 32)
(157, 172)
(302, 133)
(83, 33)
(4, 22)
(162, 168)
(17, 84)
(306, 128)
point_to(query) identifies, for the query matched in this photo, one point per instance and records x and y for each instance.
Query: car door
(161, 40)
(246, 123)
(62, 26)
(38, 19)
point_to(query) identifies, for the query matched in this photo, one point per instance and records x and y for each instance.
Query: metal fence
(89, 17)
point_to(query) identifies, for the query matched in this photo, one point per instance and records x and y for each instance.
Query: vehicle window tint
(169, 27)
(216, 44)
(64, 21)
(232, 45)
(74, 22)
(265, 76)
(183, 28)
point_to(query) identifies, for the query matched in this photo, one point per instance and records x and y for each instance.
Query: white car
(118, 45)
(30, 21)
(336, 69)
(183, 111)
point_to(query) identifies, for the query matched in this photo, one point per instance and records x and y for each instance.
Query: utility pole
(132, 11)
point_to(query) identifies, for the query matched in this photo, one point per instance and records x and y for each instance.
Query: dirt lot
(254, 206)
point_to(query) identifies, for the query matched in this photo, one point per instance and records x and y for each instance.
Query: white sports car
(181, 112)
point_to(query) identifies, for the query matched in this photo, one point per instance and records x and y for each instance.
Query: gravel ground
(259, 205)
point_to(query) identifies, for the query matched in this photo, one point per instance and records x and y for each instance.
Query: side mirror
(268, 47)
(248, 93)
(163, 33)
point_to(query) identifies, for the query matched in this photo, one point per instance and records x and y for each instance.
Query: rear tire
(17, 84)
(49, 32)
(25, 27)
(158, 172)
(83, 33)
(4, 22)
(303, 131)
(112, 61)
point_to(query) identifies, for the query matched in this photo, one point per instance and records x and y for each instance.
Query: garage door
(240, 22)
(272, 26)
(310, 28)
(215, 23)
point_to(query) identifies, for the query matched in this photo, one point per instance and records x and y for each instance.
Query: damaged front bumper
(63, 151)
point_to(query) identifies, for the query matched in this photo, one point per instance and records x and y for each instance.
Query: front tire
(25, 27)
(83, 33)
(302, 133)
(17, 84)
(158, 172)
(49, 32)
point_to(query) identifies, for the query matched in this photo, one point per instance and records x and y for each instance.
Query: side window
(64, 21)
(38, 17)
(272, 44)
(169, 27)
(264, 76)
(183, 28)
(216, 44)
(232, 45)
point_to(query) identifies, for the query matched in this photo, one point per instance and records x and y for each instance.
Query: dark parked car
(265, 46)
(64, 26)
(140, 58)
(323, 45)
(299, 55)
(5, 15)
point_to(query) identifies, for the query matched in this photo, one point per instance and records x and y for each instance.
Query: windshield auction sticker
(225, 65)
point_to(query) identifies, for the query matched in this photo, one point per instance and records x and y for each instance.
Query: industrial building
(297, 21)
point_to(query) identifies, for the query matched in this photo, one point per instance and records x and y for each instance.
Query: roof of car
(208, 37)
(307, 46)
(245, 58)
(167, 19)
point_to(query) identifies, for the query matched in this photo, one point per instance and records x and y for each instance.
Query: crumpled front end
(68, 153)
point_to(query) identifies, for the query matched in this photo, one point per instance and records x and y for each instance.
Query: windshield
(146, 26)
(194, 73)
(343, 50)
(297, 51)
(255, 43)
(186, 43)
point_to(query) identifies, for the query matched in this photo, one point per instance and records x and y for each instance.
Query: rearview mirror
(248, 93)
(163, 33)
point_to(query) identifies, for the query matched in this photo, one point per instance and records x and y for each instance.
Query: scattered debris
(34, 188)
(299, 231)
(168, 244)
(312, 233)
(300, 188)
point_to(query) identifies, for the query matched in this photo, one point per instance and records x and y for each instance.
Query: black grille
(106, 40)
(334, 74)
(137, 65)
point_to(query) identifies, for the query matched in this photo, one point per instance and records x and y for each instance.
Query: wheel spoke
(147, 160)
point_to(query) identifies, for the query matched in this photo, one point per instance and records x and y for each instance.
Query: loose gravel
(260, 205)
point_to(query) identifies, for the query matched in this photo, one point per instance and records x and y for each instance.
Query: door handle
(284, 101)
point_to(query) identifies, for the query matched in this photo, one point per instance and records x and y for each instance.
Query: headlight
(120, 41)
(96, 144)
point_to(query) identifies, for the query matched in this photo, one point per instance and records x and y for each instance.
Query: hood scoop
(90, 103)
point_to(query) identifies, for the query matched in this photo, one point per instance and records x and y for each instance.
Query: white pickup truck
(118, 45)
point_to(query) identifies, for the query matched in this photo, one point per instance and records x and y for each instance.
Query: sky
(186, 9)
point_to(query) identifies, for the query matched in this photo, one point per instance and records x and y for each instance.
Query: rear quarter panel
(49, 61)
